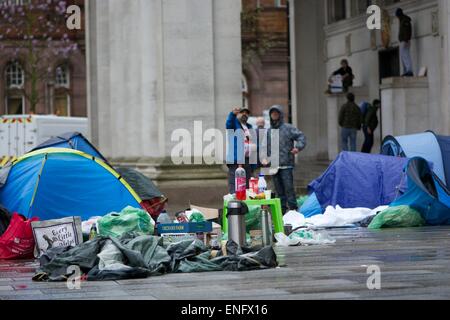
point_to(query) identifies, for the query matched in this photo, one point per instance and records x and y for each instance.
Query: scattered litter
(304, 237)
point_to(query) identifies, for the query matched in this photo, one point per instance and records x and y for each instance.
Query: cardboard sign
(64, 232)
(336, 85)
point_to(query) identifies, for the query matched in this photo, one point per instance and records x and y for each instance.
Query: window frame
(66, 68)
(13, 74)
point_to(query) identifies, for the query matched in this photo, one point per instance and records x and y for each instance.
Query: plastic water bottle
(164, 218)
(240, 184)
(262, 184)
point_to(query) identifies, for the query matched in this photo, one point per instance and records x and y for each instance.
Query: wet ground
(413, 264)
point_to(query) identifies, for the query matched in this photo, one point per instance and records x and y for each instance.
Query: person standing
(350, 120)
(404, 36)
(370, 124)
(291, 142)
(240, 155)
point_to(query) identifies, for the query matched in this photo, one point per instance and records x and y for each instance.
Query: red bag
(154, 206)
(18, 242)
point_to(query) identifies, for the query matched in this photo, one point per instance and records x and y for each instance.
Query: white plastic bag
(295, 219)
(304, 237)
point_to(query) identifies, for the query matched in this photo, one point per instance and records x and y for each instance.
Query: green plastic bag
(301, 200)
(128, 220)
(253, 218)
(196, 216)
(397, 217)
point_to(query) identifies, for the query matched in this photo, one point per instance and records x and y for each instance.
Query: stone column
(155, 66)
(309, 75)
(405, 106)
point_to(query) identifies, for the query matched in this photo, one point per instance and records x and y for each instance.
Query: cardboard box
(190, 227)
(208, 213)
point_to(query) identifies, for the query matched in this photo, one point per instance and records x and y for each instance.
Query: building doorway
(389, 63)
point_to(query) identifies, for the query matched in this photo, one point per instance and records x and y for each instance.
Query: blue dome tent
(360, 180)
(426, 193)
(427, 145)
(152, 199)
(72, 140)
(54, 183)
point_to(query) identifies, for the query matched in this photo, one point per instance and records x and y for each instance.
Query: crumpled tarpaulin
(132, 256)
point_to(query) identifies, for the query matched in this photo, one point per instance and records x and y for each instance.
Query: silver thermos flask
(266, 226)
(236, 222)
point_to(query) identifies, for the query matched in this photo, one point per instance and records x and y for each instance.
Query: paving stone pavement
(414, 264)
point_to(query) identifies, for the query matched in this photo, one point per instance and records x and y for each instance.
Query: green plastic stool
(275, 208)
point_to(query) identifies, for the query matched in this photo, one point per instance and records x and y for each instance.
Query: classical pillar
(156, 66)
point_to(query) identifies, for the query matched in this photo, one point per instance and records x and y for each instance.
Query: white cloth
(333, 217)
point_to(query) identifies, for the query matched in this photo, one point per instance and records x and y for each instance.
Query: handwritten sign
(57, 233)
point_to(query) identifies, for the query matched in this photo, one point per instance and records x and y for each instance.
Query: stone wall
(157, 66)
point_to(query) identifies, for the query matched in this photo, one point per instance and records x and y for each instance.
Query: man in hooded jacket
(291, 142)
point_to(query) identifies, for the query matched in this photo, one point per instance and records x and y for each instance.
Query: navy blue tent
(360, 180)
(72, 140)
(433, 148)
(426, 193)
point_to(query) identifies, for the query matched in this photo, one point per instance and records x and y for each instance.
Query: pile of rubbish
(139, 256)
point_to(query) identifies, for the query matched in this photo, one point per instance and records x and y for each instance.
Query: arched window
(61, 103)
(15, 81)
(15, 76)
(244, 89)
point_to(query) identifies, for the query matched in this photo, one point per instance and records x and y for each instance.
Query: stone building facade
(327, 31)
(62, 91)
(265, 51)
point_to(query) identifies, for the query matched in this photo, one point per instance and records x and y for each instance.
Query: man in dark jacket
(347, 75)
(404, 36)
(350, 120)
(291, 142)
(238, 152)
(370, 124)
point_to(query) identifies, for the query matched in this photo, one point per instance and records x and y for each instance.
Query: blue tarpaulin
(360, 180)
